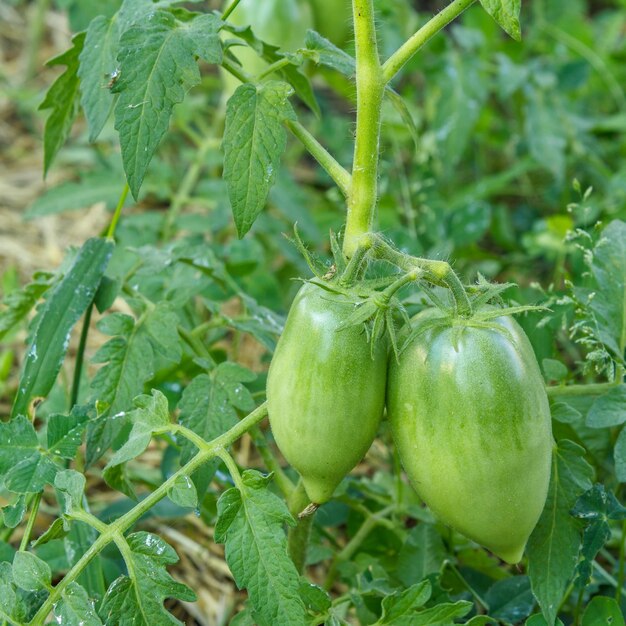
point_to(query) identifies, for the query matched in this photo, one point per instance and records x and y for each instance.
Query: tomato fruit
(471, 421)
(325, 390)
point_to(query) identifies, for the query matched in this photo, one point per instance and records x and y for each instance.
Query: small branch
(355, 543)
(233, 470)
(118, 212)
(594, 389)
(31, 521)
(274, 67)
(231, 7)
(436, 272)
(127, 520)
(340, 175)
(403, 54)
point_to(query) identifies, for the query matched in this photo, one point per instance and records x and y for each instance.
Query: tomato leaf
(254, 140)
(62, 100)
(608, 409)
(554, 544)
(97, 69)
(506, 13)
(75, 608)
(129, 363)
(20, 302)
(510, 599)
(250, 524)
(157, 65)
(421, 555)
(30, 572)
(608, 266)
(137, 599)
(603, 610)
(152, 414)
(63, 308)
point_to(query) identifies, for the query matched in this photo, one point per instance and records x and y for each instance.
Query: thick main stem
(370, 88)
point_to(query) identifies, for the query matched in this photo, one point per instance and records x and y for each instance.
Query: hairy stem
(32, 518)
(340, 175)
(298, 535)
(209, 450)
(397, 60)
(370, 88)
(436, 272)
(592, 389)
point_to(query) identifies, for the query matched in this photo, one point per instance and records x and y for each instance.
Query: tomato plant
(167, 391)
(471, 421)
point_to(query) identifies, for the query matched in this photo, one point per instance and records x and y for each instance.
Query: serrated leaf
(11, 604)
(608, 267)
(75, 608)
(553, 546)
(506, 13)
(13, 514)
(97, 68)
(403, 604)
(31, 474)
(30, 572)
(157, 66)
(254, 140)
(511, 599)
(116, 476)
(20, 302)
(129, 363)
(421, 555)
(324, 52)
(18, 440)
(250, 524)
(137, 599)
(62, 100)
(608, 409)
(564, 413)
(208, 404)
(183, 492)
(553, 369)
(71, 485)
(62, 309)
(65, 434)
(151, 415)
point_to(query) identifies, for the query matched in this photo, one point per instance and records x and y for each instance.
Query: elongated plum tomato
(325, 392)
(471, 421)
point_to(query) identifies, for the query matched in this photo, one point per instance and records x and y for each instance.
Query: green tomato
(470, 418)
(325, 390)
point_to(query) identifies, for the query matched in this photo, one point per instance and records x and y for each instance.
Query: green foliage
(505, 158)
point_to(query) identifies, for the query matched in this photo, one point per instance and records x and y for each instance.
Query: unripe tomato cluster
(466, 402)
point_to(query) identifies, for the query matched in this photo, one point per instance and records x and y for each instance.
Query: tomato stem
(438, 273)
(298, 535)
(370, 88)
(403, 54)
